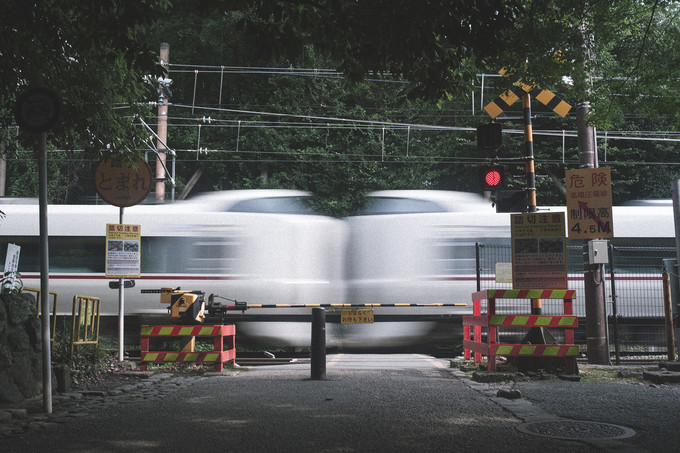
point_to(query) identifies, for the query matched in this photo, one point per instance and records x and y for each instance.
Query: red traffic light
(491, 177)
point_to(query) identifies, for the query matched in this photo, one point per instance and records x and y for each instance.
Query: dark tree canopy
(620, 56)
(92, 54)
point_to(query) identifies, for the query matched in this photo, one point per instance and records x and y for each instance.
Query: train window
(212, 256)
(275, 205)
(188, 255)
(455, 258)
(393, 205)
(66, 254)
(158, 255)
(162, 254)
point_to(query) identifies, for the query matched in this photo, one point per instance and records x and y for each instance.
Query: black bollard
(318, 343)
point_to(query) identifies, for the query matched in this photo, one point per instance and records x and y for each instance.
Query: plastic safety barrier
(217, 356)
(472, 327)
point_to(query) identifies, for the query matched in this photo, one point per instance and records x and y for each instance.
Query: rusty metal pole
(596, 328)
(668, 315)
(529, 149)
(162, 128)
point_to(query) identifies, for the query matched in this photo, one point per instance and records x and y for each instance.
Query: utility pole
(162, 130)
(593, 278)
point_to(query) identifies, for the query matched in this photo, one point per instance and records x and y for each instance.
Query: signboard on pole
(120, 184)
(539, 250)
(123, 250)
(12, 258)
(589, 203)
(10, 280)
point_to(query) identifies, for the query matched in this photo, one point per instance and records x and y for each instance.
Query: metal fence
(633, 294)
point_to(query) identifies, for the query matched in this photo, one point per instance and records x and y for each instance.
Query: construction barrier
(217, 356)
(38, 308)
(85, 315)
(472, 338)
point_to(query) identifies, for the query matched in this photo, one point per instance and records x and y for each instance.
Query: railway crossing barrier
(85, 315)
(38, 311)
(472, 327)
(217, 356)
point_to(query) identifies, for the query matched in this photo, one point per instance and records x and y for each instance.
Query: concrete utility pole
(162, 130)
(596, 328)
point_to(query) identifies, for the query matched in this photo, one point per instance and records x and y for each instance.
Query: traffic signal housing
(492, 177)
(489, 136)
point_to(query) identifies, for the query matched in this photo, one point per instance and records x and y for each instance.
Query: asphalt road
(366, 403)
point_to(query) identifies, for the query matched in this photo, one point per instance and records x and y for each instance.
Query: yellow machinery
(185, 306)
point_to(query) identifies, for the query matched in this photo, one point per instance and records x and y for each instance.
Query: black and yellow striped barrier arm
(351, 305)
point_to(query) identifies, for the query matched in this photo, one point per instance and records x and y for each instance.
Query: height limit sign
(589, 203)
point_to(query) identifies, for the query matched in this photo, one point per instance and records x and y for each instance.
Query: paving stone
(17, 413)
(5, 416)
(662, 376)
(492, 376)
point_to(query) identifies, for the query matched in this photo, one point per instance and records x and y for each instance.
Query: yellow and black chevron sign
(546, 97)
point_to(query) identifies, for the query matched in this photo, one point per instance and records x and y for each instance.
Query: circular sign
(37, 110)
(120, 184)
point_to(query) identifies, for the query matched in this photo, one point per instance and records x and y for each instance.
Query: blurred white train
(259, 247)
(421, 245)
(267, 247)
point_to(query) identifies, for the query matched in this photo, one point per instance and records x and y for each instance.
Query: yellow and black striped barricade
(472, 327)
(38, 308)
(85, 326)
(218, 356)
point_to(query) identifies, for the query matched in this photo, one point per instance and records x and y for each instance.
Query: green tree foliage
(382, 67)
(90, 54)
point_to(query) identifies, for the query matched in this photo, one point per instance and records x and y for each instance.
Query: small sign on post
(12, 258)
(539, 258)
(123, 251)
(10, 281)
(356, 316)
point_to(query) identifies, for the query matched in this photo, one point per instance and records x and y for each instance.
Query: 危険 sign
(589, 203)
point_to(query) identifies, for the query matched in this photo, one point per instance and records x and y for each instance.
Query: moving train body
(421, 245)
(267, 247)
(259, 247)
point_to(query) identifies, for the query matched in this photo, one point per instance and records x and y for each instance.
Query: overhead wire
(309, 121)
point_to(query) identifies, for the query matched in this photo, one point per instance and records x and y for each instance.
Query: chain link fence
(633, 286)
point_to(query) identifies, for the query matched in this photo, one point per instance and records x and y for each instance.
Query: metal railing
(633, 293)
